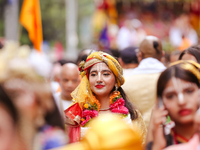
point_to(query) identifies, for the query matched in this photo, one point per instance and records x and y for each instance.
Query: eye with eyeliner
(170, 95)
(106, 74)
(93, 74)
(189, 90)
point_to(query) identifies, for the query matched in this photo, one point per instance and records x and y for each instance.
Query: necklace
(104, 109)
(178, 138)
(115, 94)
(91, 110)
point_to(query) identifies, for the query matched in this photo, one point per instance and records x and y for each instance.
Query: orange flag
(30, 18)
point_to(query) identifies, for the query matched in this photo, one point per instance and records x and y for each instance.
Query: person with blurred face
(69, 80)
(191, 53)
(178, 95)
(128, 60)
(30, 119)
(140, 85)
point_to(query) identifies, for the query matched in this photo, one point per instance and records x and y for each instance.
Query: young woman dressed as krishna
(100, 92)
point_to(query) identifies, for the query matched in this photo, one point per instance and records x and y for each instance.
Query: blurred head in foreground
(22, 76)
(8, 123)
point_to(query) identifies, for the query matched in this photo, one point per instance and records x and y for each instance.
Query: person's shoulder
(56, 95)
(134, 71)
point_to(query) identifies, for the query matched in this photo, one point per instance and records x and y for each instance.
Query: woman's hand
(158, 119)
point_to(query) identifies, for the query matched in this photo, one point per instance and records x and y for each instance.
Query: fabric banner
(30, 18)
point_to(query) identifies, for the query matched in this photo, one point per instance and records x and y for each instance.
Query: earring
(116, 88)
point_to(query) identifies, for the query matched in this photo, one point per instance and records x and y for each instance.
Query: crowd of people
(133, 101)
(119, 24)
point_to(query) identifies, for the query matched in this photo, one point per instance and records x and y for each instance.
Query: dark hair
(129, 55)
(7, 102)
(193, 50)
(129, 106)
(156, 45)
(178, 73)
(63, 61)
(54, 118)
(82, 56)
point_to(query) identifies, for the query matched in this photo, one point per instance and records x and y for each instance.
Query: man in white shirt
(69, 80)
(140, 87)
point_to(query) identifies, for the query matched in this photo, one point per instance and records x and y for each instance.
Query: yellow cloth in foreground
(108, 132)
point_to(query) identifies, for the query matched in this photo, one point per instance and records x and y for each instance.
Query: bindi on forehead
(178, 86)
(181, 84)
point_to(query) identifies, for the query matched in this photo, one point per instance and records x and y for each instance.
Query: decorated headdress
(189, 65)
(83, 92)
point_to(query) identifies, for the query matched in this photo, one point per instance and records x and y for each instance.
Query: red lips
(185, 112)
(99, 86)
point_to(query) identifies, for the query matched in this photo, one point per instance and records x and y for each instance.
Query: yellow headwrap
(190, 66)
(83, 92)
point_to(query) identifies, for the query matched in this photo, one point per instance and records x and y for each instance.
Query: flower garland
(117, 105)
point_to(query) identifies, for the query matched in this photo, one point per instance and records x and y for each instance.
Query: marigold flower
(113, 96)
(97, 102)
(86, 105)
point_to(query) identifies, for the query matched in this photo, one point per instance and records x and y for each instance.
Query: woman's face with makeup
(102, 79)
(180, 98)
